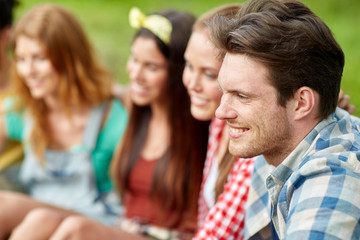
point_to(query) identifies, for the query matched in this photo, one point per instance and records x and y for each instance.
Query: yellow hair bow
(157, 24)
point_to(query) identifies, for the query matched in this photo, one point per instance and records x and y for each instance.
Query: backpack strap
(93, 125)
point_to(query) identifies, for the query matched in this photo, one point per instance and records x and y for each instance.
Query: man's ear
(306, 102)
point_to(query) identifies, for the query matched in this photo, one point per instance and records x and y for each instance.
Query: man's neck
(277, 156)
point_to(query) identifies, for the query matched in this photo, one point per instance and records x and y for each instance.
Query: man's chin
(242, 151)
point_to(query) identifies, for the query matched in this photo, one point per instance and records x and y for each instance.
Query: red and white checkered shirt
(224, 220)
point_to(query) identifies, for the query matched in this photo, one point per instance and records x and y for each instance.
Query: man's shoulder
(340, 159)
(345, 126)
(334, 151)
(330, 163)
(338, 140)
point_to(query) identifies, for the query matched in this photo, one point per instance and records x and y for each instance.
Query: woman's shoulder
(14, 117)
(117, 105)
(117, 112)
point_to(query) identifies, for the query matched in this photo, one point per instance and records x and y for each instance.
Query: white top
(209, 187)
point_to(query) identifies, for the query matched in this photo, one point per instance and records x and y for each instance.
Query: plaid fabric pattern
(215, 132)
(315, 192)
(258, 207)
(224, 220)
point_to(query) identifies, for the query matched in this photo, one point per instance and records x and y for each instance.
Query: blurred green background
(106, 22)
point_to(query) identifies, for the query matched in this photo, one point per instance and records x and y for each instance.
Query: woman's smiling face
(200, 76)
(35, 68)
(148, 71)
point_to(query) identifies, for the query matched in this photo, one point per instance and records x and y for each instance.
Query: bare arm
(15, 207)
(59, 227)
(80, 228)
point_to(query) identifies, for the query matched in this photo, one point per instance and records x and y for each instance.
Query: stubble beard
(271, 142)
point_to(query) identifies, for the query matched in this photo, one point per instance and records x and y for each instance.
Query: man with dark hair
(12, 151)
(6, 18)
(280, 79)
(6, 12)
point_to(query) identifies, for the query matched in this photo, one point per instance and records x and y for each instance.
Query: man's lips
(237, 131)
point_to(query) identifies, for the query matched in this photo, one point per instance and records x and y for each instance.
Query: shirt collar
(282, 172)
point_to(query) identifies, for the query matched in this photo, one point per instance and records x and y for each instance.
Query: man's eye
(241, 96)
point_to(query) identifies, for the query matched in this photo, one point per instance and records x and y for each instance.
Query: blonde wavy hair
(83, 80)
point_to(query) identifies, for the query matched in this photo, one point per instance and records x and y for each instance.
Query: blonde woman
(69, 125)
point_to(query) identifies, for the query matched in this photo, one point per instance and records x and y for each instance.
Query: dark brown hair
(6, 12)
(177, 177)
(297, 47)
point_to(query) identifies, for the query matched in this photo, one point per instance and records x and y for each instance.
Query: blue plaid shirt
(315, 191)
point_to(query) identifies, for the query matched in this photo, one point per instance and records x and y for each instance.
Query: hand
(344, 102)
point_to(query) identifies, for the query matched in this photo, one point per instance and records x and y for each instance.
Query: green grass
(106, 22)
